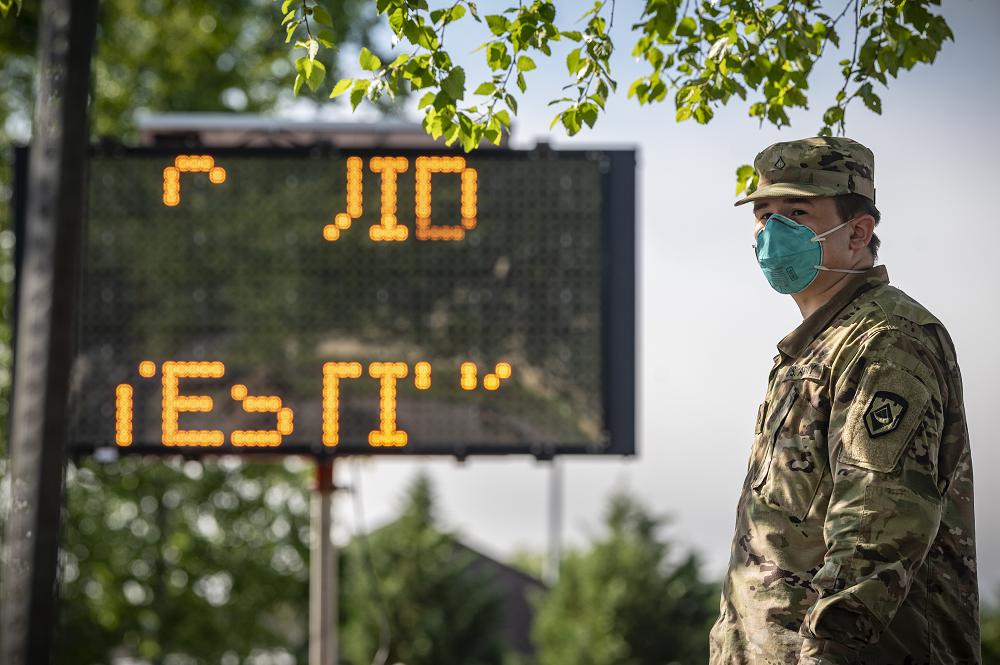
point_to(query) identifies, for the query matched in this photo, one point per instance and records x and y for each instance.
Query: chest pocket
(790, 457)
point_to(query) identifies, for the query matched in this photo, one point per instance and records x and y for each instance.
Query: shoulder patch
(885, 412)
(883, 417)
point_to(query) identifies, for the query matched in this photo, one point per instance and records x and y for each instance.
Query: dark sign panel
(362, 302)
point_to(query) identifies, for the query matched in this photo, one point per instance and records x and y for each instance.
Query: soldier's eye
(799, 211)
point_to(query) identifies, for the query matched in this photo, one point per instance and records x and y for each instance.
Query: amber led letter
(492, 381)
(332, 374)
(342, 220)
(467, 376)
(261, 404)
(174, 403)
(123, 414)
(422, 375)
(387, 434)
(388, 229)
(425, 166)
(189, 164)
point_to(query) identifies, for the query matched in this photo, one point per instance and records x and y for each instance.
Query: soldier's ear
(862, 227)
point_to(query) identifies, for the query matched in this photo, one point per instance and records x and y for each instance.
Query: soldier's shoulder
(900, 309)
(888, 324)
(886, 309)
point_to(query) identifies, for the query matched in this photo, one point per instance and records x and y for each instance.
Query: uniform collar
(794, 343)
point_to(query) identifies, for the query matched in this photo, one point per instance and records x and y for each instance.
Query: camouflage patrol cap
(818, 166)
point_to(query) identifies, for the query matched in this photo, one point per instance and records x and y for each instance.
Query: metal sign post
(323, 571)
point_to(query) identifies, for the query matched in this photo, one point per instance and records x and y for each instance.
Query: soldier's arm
(884, 437)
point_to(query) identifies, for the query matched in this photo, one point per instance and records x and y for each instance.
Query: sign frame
(619, 293)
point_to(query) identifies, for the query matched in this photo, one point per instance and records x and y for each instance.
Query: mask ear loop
(821, 237)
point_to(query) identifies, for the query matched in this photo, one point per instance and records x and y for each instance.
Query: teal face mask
(791, 254)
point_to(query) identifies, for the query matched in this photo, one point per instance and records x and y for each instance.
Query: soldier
(855, 538)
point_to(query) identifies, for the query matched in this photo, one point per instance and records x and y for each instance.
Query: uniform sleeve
(884, 434)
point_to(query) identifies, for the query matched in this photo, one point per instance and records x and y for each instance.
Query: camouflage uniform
(855, 538)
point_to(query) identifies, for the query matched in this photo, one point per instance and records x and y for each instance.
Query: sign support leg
(554, 553)
(323, 571)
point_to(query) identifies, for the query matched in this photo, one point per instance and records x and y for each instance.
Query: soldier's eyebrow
(799, 201)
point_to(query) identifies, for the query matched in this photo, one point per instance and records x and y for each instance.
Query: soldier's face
(840, 249)
(819, 214)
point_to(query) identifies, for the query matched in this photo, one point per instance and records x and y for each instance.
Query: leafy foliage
(700, 52)
(625, 601)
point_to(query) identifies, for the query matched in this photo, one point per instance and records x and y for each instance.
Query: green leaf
(311, 71)
(286, 5)
(571, 35)
(454, 83)
(358, 93)
(326, 38)
(368, 60)
(686, 27)
(304, 66)
(503, 117)
(525, 64)
(498, 24)
(496, 53)
(573, 61)
(486, 88)
(288, 17)
(571, 121)
(746, 179)
(521, 84)
(425, 100)
(589, 114)
(833, 115)
(683, 113)
(399, 60)
(871, 100)
(299, 80)
(322, 16)
(343, 85)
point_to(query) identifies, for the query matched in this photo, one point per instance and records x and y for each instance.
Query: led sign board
(362, 302)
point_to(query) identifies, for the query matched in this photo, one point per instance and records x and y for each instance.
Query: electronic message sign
(333, 302)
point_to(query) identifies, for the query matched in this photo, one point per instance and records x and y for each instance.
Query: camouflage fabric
(819, 166)
(855, 538)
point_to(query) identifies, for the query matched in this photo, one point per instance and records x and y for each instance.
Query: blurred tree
(201, 563)
(625, 602)
(991, 634)
(436, 610)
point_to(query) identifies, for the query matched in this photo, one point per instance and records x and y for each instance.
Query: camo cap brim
(817, 166)
(787, 189)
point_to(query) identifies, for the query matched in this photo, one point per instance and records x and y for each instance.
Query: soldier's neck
(820, 292)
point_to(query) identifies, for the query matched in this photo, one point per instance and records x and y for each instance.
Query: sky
(708, 319)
